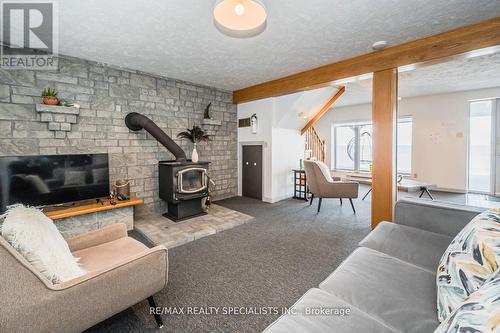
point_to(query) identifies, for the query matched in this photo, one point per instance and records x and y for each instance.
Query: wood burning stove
(182, 183)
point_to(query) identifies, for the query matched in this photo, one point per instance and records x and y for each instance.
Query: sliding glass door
(481, 147)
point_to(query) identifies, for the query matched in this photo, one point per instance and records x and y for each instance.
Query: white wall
(440, 130)
(287, 150)
(279, 132)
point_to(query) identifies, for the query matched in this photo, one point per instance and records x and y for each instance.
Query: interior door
(252, 172)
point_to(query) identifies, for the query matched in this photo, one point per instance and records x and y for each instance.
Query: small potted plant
(50, 97)
(195, 135)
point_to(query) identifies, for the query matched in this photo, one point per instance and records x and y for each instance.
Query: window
(481, 146)
(405, 134)
(353, 146)
(365, 147)
(344, 153)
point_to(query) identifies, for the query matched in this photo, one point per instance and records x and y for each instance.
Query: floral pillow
(479, 313)
(471, 259)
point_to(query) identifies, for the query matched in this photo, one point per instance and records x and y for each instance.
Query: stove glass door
(191, 180)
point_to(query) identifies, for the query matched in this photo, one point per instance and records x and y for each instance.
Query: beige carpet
(161, 230)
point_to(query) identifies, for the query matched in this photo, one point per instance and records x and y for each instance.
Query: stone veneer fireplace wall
(106, 94)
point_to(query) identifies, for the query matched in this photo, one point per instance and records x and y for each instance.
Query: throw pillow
(37, 239)
(471, 258)
(479, 313)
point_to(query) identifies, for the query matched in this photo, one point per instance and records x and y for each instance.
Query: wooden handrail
(324, 109)
(315, 145)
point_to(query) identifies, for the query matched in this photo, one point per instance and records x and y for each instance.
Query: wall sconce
(303, 115)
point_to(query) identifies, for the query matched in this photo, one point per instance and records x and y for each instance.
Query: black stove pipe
(136, 122)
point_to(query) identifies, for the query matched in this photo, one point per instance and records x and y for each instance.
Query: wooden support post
(384, 114)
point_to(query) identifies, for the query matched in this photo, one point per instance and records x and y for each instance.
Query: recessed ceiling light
(240, 18)
(380, 45)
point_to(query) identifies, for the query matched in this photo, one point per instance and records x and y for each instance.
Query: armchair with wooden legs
(323, 185)
(120, 273)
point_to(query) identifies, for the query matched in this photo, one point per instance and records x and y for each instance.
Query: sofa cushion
(471, 258)
(399, 294)
(325, 170)
(300, 321)
(416, 246)
(479, 313)
(106, 255)
(37, 239)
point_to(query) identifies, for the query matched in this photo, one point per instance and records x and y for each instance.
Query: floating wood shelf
(215, 122)
(89, 207)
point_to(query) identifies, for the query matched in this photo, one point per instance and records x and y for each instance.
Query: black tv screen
(52, 179)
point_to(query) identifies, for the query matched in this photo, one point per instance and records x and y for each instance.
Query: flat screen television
(52, 179)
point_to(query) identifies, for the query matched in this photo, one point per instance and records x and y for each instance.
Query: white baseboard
(278, 198)
(450, 190)
(267, 199)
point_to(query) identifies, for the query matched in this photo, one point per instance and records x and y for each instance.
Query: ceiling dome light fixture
(240, 18)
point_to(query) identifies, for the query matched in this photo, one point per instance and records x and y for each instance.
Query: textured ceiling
(177, 38)
(456, 75)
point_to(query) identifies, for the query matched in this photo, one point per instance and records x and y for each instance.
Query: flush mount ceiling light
(240, 18)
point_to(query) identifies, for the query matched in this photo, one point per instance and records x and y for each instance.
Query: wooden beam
(384, 117)
(465, 39)
(323, 109)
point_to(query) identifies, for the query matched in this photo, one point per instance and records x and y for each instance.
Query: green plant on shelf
(49, 92)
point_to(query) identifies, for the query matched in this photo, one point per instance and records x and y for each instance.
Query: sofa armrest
(96, 237)
(435, 216)
(76, 305)
(157, 255)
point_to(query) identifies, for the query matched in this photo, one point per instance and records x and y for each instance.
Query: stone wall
(105, 95)
(73, 226)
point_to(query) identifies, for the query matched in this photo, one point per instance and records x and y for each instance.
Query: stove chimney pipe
(136, 122)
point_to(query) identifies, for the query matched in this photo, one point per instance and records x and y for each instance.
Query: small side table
(300, 190)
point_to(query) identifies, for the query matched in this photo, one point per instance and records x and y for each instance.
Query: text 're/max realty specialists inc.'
(249, 310)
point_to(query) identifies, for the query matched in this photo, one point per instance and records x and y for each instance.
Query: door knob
(246, 163)
(254, 163)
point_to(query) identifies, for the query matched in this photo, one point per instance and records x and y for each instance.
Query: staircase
(315, 145)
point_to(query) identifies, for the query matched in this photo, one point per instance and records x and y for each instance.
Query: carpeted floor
(270, 261)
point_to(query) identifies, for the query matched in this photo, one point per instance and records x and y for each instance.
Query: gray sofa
(389, 283)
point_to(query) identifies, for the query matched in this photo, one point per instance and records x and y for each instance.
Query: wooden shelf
(89, 207)
(215, 122)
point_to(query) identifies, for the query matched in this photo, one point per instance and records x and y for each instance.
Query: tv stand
(92, 214)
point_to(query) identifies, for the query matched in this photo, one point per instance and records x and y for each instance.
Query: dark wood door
(252, 172)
